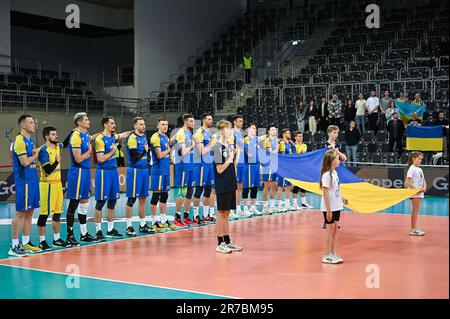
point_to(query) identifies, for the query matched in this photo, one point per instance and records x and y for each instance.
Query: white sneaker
(338, 259)
(416, 232)
(328, 259)
(273, 210)
(306, 206)
(255, 211)
(223, 248)
(265, 210)
(233, 246)
(297, 206)
(289, 207)
(244, 214)
(232, 216)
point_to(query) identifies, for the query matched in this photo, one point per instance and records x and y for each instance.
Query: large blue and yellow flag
(406, 110)
(424, 138)
(304, 171)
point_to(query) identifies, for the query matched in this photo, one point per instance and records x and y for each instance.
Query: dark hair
(284, 131)
(204, 115)
(251, 124)
(23, 118)
(187, 116)
(297, 132)
(136, 119)
(46, 131)
(236, 117)
(271, 125)
(162, 119)
(106, 119)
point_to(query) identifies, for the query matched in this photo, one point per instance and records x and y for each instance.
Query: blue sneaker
(16, 251)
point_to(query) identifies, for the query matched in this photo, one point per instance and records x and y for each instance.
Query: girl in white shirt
(331, 205)
(415, 179)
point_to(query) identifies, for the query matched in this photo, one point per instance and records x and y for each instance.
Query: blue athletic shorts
(137, 182)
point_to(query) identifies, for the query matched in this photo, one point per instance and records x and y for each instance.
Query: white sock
(212, 212)
(205, 211)
(110, 226)
(41, 238)
(253, 207)
(163, 218)
(303, 200)
(272, 203)
(152, 220)
(15, 242)
(56, 236)
(266, 204)
(129, 222)
(83, 229)
(25, 239)
(238, 208)
(142, 222)
(287, 201)
(98, 226)
(195, 212)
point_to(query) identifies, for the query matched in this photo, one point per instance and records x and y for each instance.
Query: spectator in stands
(385, 103)
(402, 97)
(323, 114)
(361, 108)
(443, 46)
(441, 120)
(352, 138)
(396, 130)
(417, 99)
(300, 115)
(349, 112)
(390, 111)
(335, 110)
(248, 65)
(415, 121)
(312, 115)
(373, 103)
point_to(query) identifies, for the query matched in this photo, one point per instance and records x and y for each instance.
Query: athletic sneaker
(255, 211)
(189, 222)
(306, 206)
(199, 221)
(44, 246)
(145, 229)
(16, 251)
(212, 219)
(289, 207)
(244, 214)
(234, 247)
(232, 216)
(88, 238)
(114, 234)
(170, 226)
(30, 247)
(223, 248)
(156, 227)
(329, 259)
(297, 206)
(130, 231)
(273, 210)
(338, 259)
(324, 226)
(179, 223)
(71, 241)
(60, 243)
(99, 236)
(416, 232)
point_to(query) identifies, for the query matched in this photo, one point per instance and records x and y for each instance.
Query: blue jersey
(286, 148)
(204, 137)
(184, 137)
(79, 140)
(160, 166)
(23, 146)
(103, 144)
(136, 142)
(251, 147)
(239, 145)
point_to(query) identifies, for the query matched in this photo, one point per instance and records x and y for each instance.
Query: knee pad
(253, 192)
(155, 198)
(207, 192)
(83, 208)
(295, 190)
(198, 192)
(245, 192)
(111, 203)
(131, 201)
(181, 192)
(189, 192)
(73, 205)
(99, 205)
(56, 218)
(42, 220)
(164, 197)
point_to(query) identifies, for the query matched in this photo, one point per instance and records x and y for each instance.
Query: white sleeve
(410, 172)
(326, 180)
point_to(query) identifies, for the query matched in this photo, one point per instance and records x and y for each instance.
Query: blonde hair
(332, 128)
(328, 159)
(412, 156)
(223, 124)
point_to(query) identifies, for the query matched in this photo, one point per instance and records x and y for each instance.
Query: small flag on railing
(424, 138)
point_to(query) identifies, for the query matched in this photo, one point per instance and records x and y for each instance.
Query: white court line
(120, 281)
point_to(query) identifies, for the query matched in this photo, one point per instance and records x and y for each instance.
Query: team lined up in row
(193, 169)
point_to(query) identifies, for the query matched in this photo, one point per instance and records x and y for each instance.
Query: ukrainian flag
(406, 110)
(424, 138)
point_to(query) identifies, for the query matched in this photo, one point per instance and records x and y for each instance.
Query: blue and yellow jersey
(300, 148)
(251, 146)
(271, 144)
(47, 156)
(136, 142)
(79, 140)
(204, 137)
(160, 166)
(184, 137)
(285, 147)
(103, 144)
(23, 146)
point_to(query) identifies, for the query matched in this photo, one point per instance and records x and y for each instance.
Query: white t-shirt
(334, 192)
(417, 179)
(361, 107)
(373, 102)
